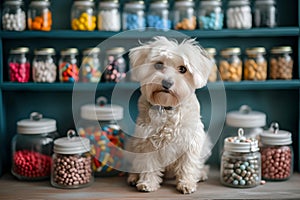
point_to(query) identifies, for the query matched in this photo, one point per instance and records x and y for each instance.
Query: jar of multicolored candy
(13, 15)
(68, 67)
(184, 15)
(91, 65)
(158, 16)
(210, 15)
(134, 15)
(39, 17)
(19, 65)
(83, 15)
(100, 124)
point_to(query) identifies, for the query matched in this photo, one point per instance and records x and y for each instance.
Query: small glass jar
(13, 16)
(32, 148)
(210, 15)
(158, 16)
(255, 65)
(184, 15)
(19, 65)
(109, 17)
(281, 63)
(213, 76)
(68, 68)
(44, 68)
(238, 14)
(265, 13)
(39, 16)
(71, 162)
(240, 162)
(91, 65)
(276, 154)
(230, 64)
(134, 15)
(83, 15)
(115, 70)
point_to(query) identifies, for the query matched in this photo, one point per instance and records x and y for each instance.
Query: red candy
(68, 72)
(19, 72)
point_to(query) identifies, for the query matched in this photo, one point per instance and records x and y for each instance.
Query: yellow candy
(94, 19)
(82, 20)
(84, 15)
(81, 27)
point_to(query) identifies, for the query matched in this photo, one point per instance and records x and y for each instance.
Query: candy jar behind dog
(13, 15)
(19, 65)
(68, 68)
(184, 15)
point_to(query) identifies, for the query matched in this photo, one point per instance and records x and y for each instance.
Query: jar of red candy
(276, 154)
(68, 65)
(32, 147)
(19, 65)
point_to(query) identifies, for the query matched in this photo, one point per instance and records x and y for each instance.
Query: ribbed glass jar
(255, 64)
(184, 15)
(83, 15)
(230, 64)
(39, 15)
(13, 15)
(281, 63)
(19, 65)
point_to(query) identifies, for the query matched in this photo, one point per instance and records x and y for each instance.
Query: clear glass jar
(230, 64)
(32, 148)
(255, 64)
(239, 14)
(240, 162)
(281, 63)
(184, 15)
(134, 15)
(19, 65)
(91, 65)
(83, 15)
(210, 15)
(265, 13)
(68, 67)
(71, 162)
(213, 76)
(158, 16)
(115, 70)
(44, 68)
(109, 17)
(13, 16)
(39, 16)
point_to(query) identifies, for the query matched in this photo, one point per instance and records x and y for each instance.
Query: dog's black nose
(167, 83)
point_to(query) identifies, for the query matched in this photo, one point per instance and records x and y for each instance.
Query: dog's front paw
(132, 179)
(147, 187)
(203, 176)
(186, 187)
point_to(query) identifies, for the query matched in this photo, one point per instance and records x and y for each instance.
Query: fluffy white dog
(169, 138)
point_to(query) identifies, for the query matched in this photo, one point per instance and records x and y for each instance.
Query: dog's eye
(159, 65)
(182, 69)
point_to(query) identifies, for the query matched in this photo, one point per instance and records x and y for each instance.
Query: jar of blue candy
(158, 16)
(134, 15)
(210, 15)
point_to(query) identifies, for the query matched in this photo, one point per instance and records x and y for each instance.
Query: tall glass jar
(68, 67)
(44, 68)
(230, 64)
(134, 15)
(39, 16)
(13, 16)
(83, 15)
(265, 13)
(241, 162)
(255, 65)
(210, 15)
(281, 63)
(19, 65)
(184, 15)
(158, 16)
(109, 17)
(213, 76)
(91, 65)
(32, 147)
(239, 14)
(276, 154)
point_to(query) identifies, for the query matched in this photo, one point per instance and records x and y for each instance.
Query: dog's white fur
(169, 133)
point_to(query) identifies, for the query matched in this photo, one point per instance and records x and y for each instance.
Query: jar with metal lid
(213, 76)
(255, 65)
(44, 68)
(115, 70)
(68, 67)
(71, 162)
(32, 147)
(19, 65)
(158, 16)
(240, 162)
(134, 15)
(239, 14)
(39, 16)
(281, 63)
(13, 15)
(210, 15)
(265, 13)
(184, 15)
(91, 65)
(83, 15)
(276, 154)
(230, 64)
(109, 17)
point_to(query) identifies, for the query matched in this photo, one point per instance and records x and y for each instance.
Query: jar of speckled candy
(91, 65)
(158, 16)
(19, 65)
(68, 67)
(210, 15)
(134, 15)
(99, 123)
(240, 162)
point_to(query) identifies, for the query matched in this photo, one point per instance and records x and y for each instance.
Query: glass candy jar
(68, 67)
(214, 71)
(19, 65)
(265, 13)
(184, 15)
(238, 14)
(109, 17)
(230, 64)
(210, 15)
(83, 15)
(13, 16)
(134, 15)
(158, 16)
(91, 65)
(32, 147)
(39, 17)
(255, 65)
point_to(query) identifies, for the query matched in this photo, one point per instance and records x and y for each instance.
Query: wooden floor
(116, 188)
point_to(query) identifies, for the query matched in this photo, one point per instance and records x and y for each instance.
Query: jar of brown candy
(281, 63)
(213, 76)
(255, 65)
(230, 64)
(184, 15)
(276, 154)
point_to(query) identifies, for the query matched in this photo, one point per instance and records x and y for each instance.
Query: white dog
(169, 138)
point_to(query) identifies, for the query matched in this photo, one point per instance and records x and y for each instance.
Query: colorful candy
(19, 72)
(115, 70)
(41, 23)
(85, 22)
(68, 72)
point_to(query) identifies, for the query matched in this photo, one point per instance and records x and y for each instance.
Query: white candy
(111, 20)
(43, 71)
(14, 22)
(239, 17)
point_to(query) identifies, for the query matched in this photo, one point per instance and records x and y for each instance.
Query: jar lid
(92, 50)
(44, 51)
(115, 50)
(246, 118)
(211, 50)
(159, 4)
(109, 3)
(240, 143)
(69, 51)
(238, 2)
(211, 3)
(13, 2)
(274, 136)
(84, 2)
(135, 5)
(265, 2)
(40, 3)
(19, 50)
(36, 124)
(179, 3)
(230, 51)
(255, 50)
(71, 144)
(281, 49)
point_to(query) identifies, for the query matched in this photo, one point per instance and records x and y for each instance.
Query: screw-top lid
(246, 118)
(115, 50)
(274, 136)
(238, 2)
(255, 50)
(91, 50)
(281, 49)
(44, 51)
(13, 2)
(69, 51)
(187, 3)
(84, 2)
(36, 124)
(211, 3)
(71, 144)
(211, 51)
(135, 5)
(109, 3)
(240, 143)
(40, 3)
(265, 2)
(230, 51)
(19, 50)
